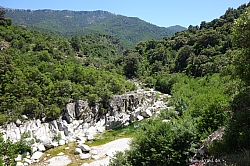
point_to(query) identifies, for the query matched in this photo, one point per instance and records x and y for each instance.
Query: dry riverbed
(104, 153)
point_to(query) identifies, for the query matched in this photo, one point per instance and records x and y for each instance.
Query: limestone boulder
(85, 156)
(36, 156)
(84, 147)
(61, 142)
(147, 113)
(78, 151)
(41, 148)
(70, 114)
(47, 142)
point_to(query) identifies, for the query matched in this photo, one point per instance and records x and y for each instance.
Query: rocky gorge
(80, 122)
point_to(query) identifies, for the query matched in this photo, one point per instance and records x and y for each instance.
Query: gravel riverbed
(107, 150)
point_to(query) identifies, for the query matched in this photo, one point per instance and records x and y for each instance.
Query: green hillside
(205, 69)
(129, 30)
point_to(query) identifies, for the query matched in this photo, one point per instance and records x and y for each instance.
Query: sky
(162, 13)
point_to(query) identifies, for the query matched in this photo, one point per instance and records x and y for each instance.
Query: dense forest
(205, 68)
(129, 30)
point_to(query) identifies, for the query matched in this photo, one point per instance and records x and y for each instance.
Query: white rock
(25, 117)
(90, 137)
(95, 157)
(36, 156)
(19, 164)
(47, 143)
(67, 148)
(60, 154)
(18, 122)
(27, 160)
(139, 118)
(78, 151)
(93, 152)
(84, 148)
(61, 142)
(85, 156)
(41, 148)
(18, 158)
(147, 113)
(54, 144)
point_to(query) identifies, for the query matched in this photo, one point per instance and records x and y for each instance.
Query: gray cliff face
(120, 111)
(81, 121)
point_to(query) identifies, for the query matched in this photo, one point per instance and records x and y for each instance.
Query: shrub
(160, 143)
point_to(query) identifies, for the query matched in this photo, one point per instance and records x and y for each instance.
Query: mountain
(130, 30)
(177, 28)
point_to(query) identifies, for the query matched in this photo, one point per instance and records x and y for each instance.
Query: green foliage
(164, 83)
(10, 150)
(204, 100)
(41, 73)
(160, 143)
(237, 132)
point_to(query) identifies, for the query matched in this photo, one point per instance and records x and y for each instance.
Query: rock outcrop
(81, 122)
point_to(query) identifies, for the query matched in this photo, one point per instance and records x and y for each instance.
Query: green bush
(10, 150)
(160, 143)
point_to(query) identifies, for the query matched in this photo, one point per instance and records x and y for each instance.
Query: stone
(61, 142)
(85, 164)
(36, 156)
(19, 164)
(18, 158)
(93, 152)
(47, 143)
(78, 151)
(84, 148)
(90, 137)
(54, 144)
(95, 157)
(18, 122)
(60, 154)
(70, 112)
(67, 148)
(41, 148)
(85, 156)
(27, 161)
(147, 113)
(24, 117)
(165, 120)
(140, 118)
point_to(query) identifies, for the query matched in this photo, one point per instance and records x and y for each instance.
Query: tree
(182, 57)
(132, 60)
(160, 143)
(241, 38)
(237, 133)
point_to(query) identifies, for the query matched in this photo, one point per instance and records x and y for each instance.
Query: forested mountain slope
(40, 73)
(129, 30)
(205, 68)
